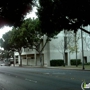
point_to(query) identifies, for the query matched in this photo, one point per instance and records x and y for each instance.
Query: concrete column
(18, 59)
(14, 59)
(35, 61)
(68, 58)
(27, 59)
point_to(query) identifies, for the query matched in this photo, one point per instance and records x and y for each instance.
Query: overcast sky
(7, 28)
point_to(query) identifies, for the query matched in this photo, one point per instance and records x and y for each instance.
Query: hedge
(73, 61)
(88, 63)
(57, 62)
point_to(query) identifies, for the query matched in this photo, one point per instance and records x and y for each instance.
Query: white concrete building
(31, 56)
(55, 49)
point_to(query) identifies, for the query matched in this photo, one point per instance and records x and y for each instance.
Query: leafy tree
(17, 40)
(27, 35)
(86, 41)
(56, 15)
(5, 44)
(4, 41)
(34, 36)
(14, 40)
(69, 44)
(73, 46)
(12, 12)
(5, 54)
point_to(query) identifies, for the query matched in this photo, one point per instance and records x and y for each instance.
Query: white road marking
(35, 81)
(46, 73)
(31, 80)
(57, 76)
(26, 79)
(72, 78)
(59, 73)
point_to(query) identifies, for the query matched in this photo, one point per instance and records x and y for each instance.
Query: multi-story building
(31, 56)
(54, 49)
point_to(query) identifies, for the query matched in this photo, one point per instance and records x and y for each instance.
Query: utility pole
(76, 47)
(64, 47)
(82, 50)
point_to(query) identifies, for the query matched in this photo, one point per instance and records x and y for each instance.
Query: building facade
(32, 58)
(54, 50)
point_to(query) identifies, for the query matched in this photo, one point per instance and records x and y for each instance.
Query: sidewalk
(87, 67)
(72, 67)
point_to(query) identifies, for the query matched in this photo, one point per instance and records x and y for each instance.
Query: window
(32, 57)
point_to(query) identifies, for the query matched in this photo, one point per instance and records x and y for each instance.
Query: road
(16, 78)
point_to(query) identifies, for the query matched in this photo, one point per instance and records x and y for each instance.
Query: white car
(3, 64)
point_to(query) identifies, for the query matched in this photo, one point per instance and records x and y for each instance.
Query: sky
(5, 29)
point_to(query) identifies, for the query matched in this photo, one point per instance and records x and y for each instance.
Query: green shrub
(73, 61)
(88, 63)
(57, 62)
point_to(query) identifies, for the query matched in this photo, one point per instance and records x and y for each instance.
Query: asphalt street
(19, 78)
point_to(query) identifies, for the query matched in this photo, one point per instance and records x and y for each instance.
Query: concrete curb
(64, 68)
(80, 69)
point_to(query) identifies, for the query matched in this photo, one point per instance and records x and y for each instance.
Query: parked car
(3, 64)
(7, 62)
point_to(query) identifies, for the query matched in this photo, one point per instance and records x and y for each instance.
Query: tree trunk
(40, 55)
(20, 59)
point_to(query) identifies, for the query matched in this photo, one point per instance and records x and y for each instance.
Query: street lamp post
(76, 48)
(82, 51)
